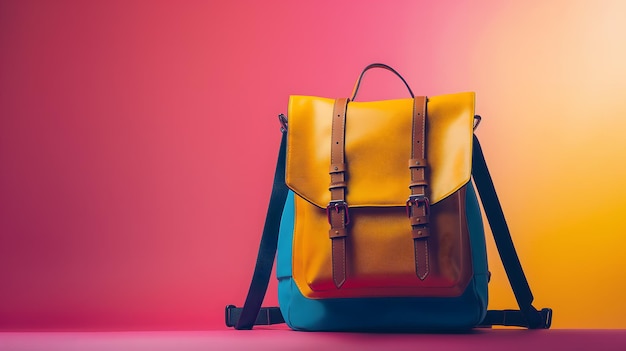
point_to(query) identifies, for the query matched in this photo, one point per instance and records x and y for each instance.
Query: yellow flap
(378, 148)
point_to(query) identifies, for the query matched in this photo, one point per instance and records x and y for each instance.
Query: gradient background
(138, 140)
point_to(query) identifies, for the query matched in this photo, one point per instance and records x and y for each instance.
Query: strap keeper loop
(418, 163)
(337, 185)
(418, 183)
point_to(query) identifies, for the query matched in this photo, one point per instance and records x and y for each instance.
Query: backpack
(375, 223)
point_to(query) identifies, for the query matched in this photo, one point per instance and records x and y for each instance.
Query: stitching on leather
(427, 260)
(423, 276)
(343, 261)
(417, 267)
(333, 260)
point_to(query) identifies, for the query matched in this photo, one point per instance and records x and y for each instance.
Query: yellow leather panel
(378, 148)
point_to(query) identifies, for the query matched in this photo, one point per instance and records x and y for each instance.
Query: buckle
(230, 320)
(477, 120)
(546, 313)
(283, 122)
(417, 200)
(338, 205)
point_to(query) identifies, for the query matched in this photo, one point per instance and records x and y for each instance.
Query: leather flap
(378, 148)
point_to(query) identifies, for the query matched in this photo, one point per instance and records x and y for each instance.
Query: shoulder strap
(246, 317)
(527, 316)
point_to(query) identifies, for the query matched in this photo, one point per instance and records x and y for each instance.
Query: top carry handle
(383, 66)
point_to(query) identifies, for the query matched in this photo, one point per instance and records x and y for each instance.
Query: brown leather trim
(417, 163)
(421, 233)
(419, 220)
(338, 167)
(422, 261)
(337, 185)
(417, 183)
(337, 211)
(418, 211)
(337, 233)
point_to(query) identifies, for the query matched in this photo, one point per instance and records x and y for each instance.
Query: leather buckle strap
(418, 205)
(339, 218)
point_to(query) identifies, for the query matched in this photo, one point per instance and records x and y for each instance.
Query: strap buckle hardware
(230, 322)
(283, 122)
(546, 314)
(338, 205)
(417, 200)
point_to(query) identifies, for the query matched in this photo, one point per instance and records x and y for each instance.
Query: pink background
(137, 143)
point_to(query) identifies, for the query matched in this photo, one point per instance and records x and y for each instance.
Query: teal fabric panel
(285, 239)
(478, 246)
(380, 314)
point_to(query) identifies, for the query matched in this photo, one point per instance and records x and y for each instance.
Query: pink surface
(138, 137)
(276, 339)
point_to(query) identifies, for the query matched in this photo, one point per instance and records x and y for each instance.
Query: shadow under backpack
(375, 223)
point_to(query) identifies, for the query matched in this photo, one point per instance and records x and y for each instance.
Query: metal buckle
(477, 120)
(417, 200)
(283, 122)
(229, 320)
(337, 205)
(546, 313)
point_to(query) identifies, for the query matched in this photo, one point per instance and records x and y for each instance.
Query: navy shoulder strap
(246, 317)
(527, 315)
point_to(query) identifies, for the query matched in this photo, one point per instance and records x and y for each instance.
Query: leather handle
(383, 66)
